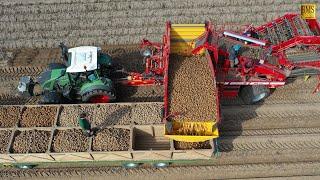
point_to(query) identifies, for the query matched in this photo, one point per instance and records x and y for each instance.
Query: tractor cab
(83, 59)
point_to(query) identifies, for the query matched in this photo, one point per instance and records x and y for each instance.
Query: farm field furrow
(125, 21)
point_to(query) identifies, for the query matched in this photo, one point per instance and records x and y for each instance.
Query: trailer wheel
(161, 164)
(8, 165)
(131, 165)
(254, 94)
(25, 166)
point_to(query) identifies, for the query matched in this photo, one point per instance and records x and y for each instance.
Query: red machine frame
(259, 71)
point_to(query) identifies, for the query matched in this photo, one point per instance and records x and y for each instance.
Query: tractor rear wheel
(98, 96)
(254, 94)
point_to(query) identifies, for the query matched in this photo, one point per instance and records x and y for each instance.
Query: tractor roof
(83, 58)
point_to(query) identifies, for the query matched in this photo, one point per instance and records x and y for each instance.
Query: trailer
(125, 139)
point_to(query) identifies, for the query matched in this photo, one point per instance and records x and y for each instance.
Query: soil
(191, 89)
(122, 22)
(178, 145)
(4, 140)
(112, 139)
(43, 116)
(27, 56)
(33, 141)
(9, 116)
(127, 56)
(71, 140)
(9, 85)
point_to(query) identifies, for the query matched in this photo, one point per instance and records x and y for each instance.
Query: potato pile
(71, 140)
(102, 115)
(9, 116)
(147, 113)
(70, 114)
(191, 145)
(43, 116)
(112, 114)
(4, 140)
(112, 139)
(33, 141)
(191, 89)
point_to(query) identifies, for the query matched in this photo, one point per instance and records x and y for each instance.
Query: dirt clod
(112, 139)
(71, 140)
(4, 140)
(191, 89)
(9, 116)
(191, 145)
(33, 141)
(43, 116)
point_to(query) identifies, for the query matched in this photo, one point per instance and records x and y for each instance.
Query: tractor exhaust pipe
(26, 86)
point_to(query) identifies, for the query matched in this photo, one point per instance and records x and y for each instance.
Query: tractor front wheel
(98, 96)
(52, 66)
(51, 98)
(254, 94)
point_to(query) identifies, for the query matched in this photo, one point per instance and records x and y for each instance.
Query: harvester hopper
(182, 39)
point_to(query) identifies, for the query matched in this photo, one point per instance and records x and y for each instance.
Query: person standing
(85, 125)
(233, 53)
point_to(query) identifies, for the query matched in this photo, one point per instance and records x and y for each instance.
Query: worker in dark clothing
(85, 125)
(233, 53)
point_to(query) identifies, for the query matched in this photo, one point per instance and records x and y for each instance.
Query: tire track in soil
(253, 117)
(269, 142)
(18, 71)
(259, 170)
(264, 132)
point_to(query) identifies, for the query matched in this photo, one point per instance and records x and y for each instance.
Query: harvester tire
(254, 94)
(87, 97)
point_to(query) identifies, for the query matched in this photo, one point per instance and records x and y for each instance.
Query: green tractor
(83, 77)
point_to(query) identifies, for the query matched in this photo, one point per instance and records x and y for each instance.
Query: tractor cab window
(69, 59)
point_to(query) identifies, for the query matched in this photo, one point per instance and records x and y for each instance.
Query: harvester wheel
(254, 94)
(98, 96)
